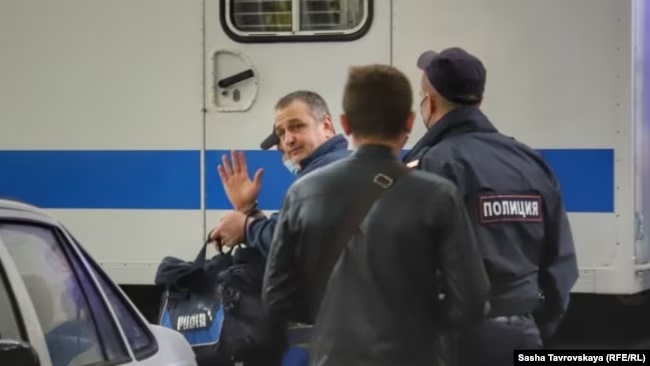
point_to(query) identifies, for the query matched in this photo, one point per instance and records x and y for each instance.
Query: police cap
(455, 74)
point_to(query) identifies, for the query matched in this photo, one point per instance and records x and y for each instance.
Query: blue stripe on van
(586, 176)
(276, 179)
(171, 179)
(102, 179)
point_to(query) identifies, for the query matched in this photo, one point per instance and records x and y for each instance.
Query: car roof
(11, 209)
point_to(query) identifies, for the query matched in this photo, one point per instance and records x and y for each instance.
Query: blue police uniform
(515, 203)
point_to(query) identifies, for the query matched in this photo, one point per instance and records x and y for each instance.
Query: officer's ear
(345, 124)
(434, 103)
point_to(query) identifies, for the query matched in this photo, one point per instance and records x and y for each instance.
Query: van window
(335, 19)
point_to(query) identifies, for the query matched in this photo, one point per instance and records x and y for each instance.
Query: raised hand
(240, 189)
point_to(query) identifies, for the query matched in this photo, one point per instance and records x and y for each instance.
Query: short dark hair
(377, 101)
(316, 104)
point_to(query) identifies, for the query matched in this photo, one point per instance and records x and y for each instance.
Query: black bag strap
(369, 195)
(199, 262)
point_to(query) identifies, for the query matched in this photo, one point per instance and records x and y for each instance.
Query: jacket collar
(374, 150)
(459, 121)
(338, 142)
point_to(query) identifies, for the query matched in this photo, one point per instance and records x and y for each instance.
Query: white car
(58, 308)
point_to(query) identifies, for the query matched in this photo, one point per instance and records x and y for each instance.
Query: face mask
(291, 167)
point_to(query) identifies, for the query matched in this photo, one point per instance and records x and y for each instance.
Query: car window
(9, 321)
(137, 333)
(59, 291)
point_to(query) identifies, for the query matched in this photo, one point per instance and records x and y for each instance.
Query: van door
(102, 124)
(256, 51)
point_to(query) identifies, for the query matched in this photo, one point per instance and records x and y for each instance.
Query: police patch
(495, 208)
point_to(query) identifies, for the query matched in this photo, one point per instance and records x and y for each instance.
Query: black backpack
(217, 306)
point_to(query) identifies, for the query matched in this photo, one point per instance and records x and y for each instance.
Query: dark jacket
(515, 203)
(381, 306)
(260, 232)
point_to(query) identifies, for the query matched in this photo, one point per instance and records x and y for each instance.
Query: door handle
(239, 77)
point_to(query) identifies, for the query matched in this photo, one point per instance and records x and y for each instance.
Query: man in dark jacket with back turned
(391, 293)
(515, 204)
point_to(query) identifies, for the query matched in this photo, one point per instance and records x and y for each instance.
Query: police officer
(515, 204)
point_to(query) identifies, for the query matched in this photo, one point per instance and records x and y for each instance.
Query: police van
(115, 114)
